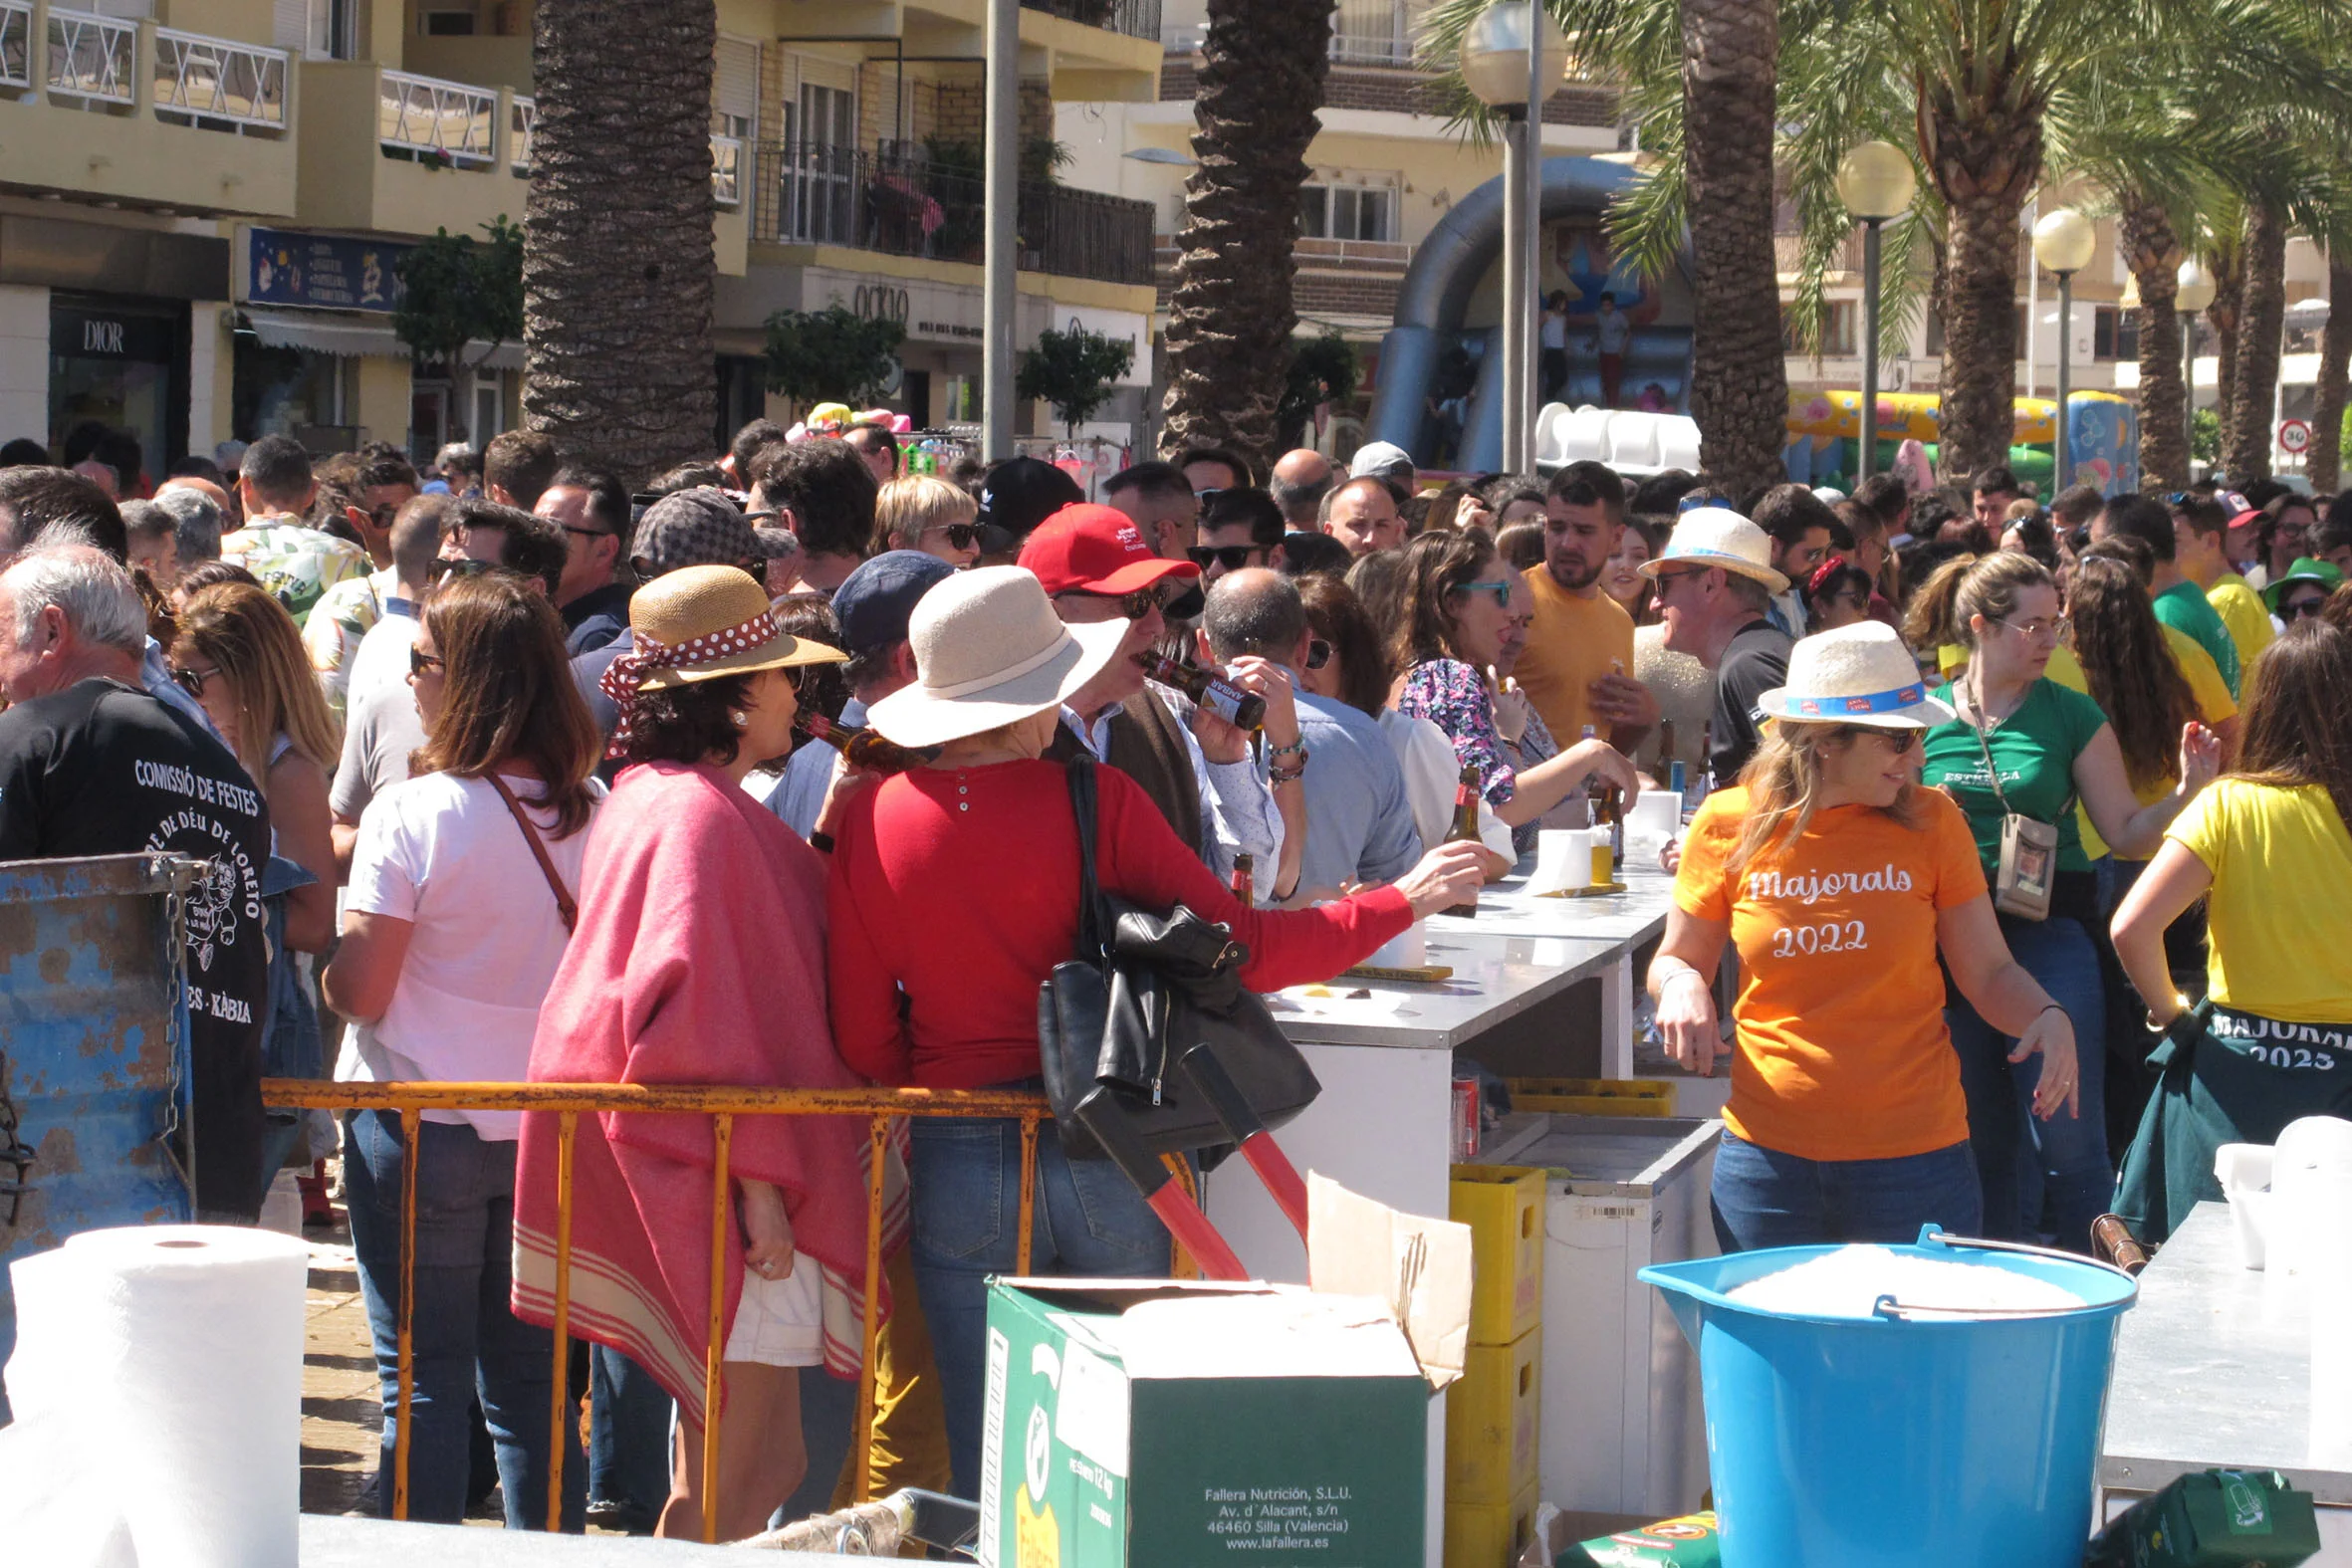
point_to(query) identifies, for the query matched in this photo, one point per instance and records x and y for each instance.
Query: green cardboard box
(2213, 1519)
(1163, 1424)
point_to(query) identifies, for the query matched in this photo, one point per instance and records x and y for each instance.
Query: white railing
(519, 131)
(216, 79)
(1374, 32)
(1385, 252)
(90, 56)
(727, 170)
(16, 43)
(430, 116)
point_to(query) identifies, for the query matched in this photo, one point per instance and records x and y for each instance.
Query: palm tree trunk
(1984, 162)
(1738, 378)
(618, 267)
(2323, 465)
(2153, 255)
(1229, 318)
(2228, 274)
(2262, 318)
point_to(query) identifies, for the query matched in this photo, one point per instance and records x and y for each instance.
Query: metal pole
(1530, 304)
(2059, 480)
(1516, 377)
(1002, 195)
(1868, 425)
(2189, 395)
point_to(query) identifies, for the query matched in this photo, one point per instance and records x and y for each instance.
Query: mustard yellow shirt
(2242, 611)
(1574, 640)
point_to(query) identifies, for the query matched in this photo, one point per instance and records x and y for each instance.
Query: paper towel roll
(172, 1354)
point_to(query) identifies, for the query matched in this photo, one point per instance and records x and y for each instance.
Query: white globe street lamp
(1875, 181)
(1509, 74)
(2064, 242)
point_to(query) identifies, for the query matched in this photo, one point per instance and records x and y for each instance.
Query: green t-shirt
(2034, 748)
(2184, 607)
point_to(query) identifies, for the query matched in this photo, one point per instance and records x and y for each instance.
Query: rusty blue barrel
(93, 1050)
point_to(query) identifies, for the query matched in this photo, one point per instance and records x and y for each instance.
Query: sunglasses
(191, 680)
(445, 568)
(1134, 604)
(1899, 743)
(1233, 557)
(2034, 630)
(2292, 609)
(1501, 591)
(1318, 654)
(960, 535)
(421, 663)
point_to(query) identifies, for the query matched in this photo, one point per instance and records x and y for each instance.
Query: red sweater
(961, 890)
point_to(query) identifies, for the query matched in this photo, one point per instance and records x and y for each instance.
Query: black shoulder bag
(1150, 1042)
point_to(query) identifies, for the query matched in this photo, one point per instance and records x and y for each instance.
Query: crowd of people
(504, 772)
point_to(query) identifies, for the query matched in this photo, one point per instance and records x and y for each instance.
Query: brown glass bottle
(1245, 879)
(1466, 827)
(863, 748)
(1243, 710)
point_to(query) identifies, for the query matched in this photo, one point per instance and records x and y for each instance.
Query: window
(735, 89)
(1840, 332)
(1347, 209)
(2115, 334)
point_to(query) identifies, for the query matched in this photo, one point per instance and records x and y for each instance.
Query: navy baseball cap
(873, 603)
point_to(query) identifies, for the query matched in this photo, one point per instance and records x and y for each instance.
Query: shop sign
(876, 302)
(327, 271)
(97, 334)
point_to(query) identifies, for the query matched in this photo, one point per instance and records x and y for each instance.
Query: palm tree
(2261, 320)
(618, 266)
(2150, 251)
(1229, 318)
(2324, 464)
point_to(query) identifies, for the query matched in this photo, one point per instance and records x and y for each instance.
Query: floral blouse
(1452, 696)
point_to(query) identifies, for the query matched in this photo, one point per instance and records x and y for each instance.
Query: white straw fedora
(989, 650)
(1858, 674)
(1720, 536)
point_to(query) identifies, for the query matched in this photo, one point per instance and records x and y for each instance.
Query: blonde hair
(250, 638)
(906, 507)
(1783, 785)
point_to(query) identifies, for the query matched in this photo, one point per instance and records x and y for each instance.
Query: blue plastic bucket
(1901, 1441)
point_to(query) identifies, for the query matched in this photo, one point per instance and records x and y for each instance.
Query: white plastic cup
(1409, 949)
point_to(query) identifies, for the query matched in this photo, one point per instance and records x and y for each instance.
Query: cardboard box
(1157, 1424)
(1490, 1419)
(2212, 1519)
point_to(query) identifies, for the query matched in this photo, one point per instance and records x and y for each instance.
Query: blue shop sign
(286, 267)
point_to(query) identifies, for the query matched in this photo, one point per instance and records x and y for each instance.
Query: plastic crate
(1489, 1534)
(1491, 1416)
(1592, 1096)
(1504, 1207)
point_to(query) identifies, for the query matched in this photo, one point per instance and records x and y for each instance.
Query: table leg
(1616, 1018)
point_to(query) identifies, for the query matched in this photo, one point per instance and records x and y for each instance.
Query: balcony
(158, 116)
(1132, 18)
(896, 203)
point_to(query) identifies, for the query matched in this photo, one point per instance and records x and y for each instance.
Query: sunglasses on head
(1233, 557)
(960, 535)
(423, 663)
(1501, 591)
(191, 680)
(445, 568)
(2304, 608)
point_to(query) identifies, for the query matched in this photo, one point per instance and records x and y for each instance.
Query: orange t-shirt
(1842, 1050)
(1574, 640)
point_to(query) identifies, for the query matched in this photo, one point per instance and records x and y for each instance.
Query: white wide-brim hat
(1858, 674)
(1720, 536)
(989, 650)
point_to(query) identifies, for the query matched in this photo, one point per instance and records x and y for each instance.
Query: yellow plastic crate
(1489, 1534)
(1504, 1207)
(1491, 1416)
(1592, 1096)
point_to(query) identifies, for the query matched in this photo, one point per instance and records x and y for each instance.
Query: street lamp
(1509, 75)
(2064, 242)
(1876, 182)
(2195, 292)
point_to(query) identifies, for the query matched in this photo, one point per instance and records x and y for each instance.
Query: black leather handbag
(1149, 1040)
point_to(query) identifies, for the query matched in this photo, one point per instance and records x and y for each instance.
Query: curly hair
(2129, 667)
(689, 722)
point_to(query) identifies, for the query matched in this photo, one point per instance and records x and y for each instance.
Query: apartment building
(203, 203)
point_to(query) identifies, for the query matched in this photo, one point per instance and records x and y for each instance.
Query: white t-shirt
(1611, 330)
(381, 659)
(1431, 774)
(1556, 330)
(445, 854)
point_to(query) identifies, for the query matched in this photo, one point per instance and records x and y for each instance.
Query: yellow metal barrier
(722, 1103)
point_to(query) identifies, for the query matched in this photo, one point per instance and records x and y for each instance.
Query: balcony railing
(435, 120)
(1133, 18)
(903, 205)
(518, 132)
(218, 79)
(16, 43)
(1373, 33)
(89, 56)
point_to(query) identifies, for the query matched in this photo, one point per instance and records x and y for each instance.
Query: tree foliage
(1323, 369)
(832, 354)
(1075, 371)
(458, 289)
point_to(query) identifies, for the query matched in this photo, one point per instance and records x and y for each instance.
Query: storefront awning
(348, 336)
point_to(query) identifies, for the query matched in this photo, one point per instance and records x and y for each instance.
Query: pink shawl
(699, 959)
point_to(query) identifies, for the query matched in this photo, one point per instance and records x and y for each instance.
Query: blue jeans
(2033, 1168)
(628, 1435)
(964, 1190)
(1763, 1197)
(467, 1342)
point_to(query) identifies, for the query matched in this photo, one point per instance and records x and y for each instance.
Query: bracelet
(821, 841)
(1296, 749)
(1685, 971)
(1285, 775)
(2180, 1005)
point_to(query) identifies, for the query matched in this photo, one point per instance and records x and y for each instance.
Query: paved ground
(339, 1413)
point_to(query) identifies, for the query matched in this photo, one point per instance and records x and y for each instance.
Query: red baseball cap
(1095, 550)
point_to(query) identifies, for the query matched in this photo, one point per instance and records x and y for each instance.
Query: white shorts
(780, 1322)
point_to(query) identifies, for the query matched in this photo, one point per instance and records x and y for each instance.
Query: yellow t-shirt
(1574, 640)
(2242, 611)
(2280, 929)
(2214, 704)
(1842, 1049)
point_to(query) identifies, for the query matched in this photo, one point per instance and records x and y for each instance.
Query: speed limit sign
(2295, 437)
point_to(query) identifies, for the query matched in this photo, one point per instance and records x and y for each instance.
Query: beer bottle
(1665, 755)
(1607, 803)
(1466, 827)
(863, 748)
(1245, 879)
(1243, 710)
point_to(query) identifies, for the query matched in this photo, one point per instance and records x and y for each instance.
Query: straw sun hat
(991, 651)
(1859, 674)
(1720, 536)
(701, 623)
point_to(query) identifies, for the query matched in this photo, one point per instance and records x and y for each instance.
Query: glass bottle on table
(1466, 827)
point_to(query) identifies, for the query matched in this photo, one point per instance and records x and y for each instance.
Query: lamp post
(2196, 292)
(1876, 182)
(1505, 72)
(2064, 242)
